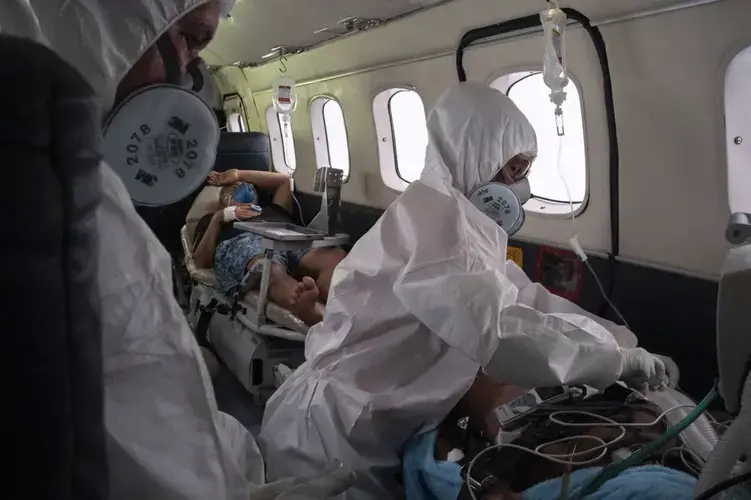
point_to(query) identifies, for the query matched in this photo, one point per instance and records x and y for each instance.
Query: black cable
(724, 486)
(551, 200)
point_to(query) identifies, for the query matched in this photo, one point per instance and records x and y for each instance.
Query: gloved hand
(673, 372)
(641, 369)
(329, 484)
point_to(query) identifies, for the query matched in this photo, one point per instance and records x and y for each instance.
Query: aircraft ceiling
(258, 26)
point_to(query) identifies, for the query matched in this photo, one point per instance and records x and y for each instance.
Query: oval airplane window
(236, 123)
(555, 187)
(330, 134)
(399, 116)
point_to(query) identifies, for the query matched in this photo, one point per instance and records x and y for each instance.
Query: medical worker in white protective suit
(426, 299)
(166, 438)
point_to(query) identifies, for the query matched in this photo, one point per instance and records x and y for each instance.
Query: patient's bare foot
(306, 305)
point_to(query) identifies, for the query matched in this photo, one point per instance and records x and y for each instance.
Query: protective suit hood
(473, 130)
(98, 38)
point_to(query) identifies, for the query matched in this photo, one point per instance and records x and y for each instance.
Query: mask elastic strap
(170, 58)
(196, 76)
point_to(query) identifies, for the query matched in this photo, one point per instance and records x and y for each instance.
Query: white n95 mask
(503, 203)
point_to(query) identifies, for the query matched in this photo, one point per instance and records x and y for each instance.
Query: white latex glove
(330, 484)
(672, 370)
(642, 370)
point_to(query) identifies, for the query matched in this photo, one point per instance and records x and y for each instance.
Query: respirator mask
(162, 139)
(503, 202)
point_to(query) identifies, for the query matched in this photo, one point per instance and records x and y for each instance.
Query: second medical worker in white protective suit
(165, 437)
(424, 300)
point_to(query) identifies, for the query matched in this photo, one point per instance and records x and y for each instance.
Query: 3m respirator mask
(503, 203)
(162, 139)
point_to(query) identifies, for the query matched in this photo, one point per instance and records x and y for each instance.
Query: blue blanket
(649, 482)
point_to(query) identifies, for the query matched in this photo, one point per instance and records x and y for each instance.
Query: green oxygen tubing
(613, 470)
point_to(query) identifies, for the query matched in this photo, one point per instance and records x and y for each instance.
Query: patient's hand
(481, 399)
(227, 178)
(243, 211)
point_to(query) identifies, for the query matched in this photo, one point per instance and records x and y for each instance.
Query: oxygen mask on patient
(242, 194)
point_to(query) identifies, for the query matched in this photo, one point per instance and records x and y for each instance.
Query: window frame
(238, 118)
(543, 202)
(388, 162)
(321, 142)
(279, 154)
(233, 105)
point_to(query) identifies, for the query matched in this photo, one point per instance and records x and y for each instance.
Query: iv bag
(554, 63)
(285, 101)
(284, 97)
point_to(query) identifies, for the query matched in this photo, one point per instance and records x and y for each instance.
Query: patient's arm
(274, 182)
(204, 252)
(268, 181)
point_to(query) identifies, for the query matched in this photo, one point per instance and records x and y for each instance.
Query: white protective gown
(421, 302)
(166, 438)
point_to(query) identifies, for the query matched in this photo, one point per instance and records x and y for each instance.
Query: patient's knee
(328, 258)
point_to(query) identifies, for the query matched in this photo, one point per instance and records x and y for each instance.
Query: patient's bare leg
(300, 297)
(319, 264)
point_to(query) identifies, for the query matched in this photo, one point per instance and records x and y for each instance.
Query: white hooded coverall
(421, 302)
(166, 438)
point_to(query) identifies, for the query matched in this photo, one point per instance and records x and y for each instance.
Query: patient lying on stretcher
(300, 279)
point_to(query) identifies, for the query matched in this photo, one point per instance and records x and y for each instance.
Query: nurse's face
(515, 170)
(191, 34)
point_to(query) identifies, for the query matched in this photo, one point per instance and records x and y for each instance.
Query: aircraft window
(234, 109)
(738, 130)
(330, 134)
(402, 136)
(236, 123)
(282, 144)
(550, 194)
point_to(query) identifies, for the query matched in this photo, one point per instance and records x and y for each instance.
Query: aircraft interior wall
(668, 74)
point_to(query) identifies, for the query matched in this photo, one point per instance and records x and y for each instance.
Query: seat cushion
(206, 202)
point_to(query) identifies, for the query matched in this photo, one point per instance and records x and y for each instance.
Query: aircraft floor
(234, 400)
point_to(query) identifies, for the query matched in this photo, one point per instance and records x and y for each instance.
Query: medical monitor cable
(613, 470)
(602, 448)
(724, 486)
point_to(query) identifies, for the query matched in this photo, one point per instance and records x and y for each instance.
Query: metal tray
(280, 231)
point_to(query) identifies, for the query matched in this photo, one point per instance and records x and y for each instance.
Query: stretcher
(258, 340)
